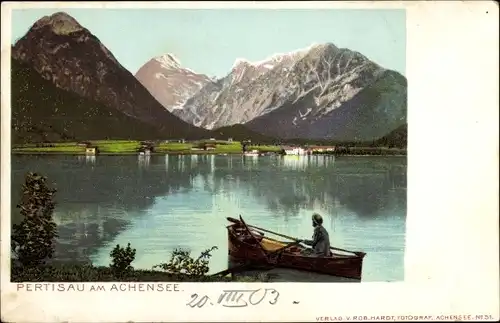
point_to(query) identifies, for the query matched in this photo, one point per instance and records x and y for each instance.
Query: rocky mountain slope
(73, 59)
(41, 112)
(319, 92)
(238, 97)
(168, 82)
(371, 113)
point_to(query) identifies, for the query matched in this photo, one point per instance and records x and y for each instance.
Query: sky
(209, 41)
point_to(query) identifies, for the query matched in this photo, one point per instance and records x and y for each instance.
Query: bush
(33, 239)
(121, 260)
(181, 263)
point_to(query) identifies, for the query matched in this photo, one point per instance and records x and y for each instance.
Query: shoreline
(62, 153)
(200, 147)
(73, 273)
(74, 153)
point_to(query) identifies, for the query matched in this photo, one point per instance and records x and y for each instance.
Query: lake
(159, 203)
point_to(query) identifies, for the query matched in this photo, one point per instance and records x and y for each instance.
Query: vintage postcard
(249, 161)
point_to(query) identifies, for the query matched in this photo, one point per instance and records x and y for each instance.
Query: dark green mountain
(240, 132)
(396, 138)
(70, 57)
(43, 112)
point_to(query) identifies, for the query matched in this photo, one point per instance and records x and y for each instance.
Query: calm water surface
(160, 203)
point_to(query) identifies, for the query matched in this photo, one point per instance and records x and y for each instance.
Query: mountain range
(168, 82)
(321, 92)
(70, 57)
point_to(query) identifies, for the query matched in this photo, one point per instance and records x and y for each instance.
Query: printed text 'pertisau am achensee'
(91, 287)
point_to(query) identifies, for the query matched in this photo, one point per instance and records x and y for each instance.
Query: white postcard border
(451, 262)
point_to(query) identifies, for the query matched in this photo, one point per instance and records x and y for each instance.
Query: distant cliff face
(72, 58)
(368, 113)
(169, 82)
(319, 92)
(240, 96)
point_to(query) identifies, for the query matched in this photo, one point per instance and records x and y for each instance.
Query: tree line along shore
(182, 147)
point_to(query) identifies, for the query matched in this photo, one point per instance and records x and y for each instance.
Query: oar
(233, 220)
(240, 267)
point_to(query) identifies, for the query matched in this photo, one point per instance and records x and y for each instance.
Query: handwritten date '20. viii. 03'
(237, 298)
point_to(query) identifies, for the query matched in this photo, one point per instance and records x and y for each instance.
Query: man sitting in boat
(321, 240)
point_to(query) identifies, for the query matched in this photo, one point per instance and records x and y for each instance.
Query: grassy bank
(265, 148)
(371, 151)
(89, 273)
(132, 147)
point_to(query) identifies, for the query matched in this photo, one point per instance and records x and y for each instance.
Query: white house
(89, 151)
(294, 151)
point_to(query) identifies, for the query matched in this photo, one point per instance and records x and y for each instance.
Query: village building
(90, 151)
(292, 150)
(320, 149)
(144, 151)
(209, 146)
(147, 147)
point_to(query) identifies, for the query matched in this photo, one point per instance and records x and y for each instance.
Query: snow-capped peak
(168, 61)
(277, 58)
(241, 61)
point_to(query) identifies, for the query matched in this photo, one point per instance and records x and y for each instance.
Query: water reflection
(87, 159)
(84, 228)
(99, 198)
(301, 163)
(287, 185)
(250, 161)
(143, 161)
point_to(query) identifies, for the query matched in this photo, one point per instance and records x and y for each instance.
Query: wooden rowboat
(246, 245)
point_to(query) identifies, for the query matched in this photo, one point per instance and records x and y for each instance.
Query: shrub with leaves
(121, 260)
(33, 239)
(181, 263)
